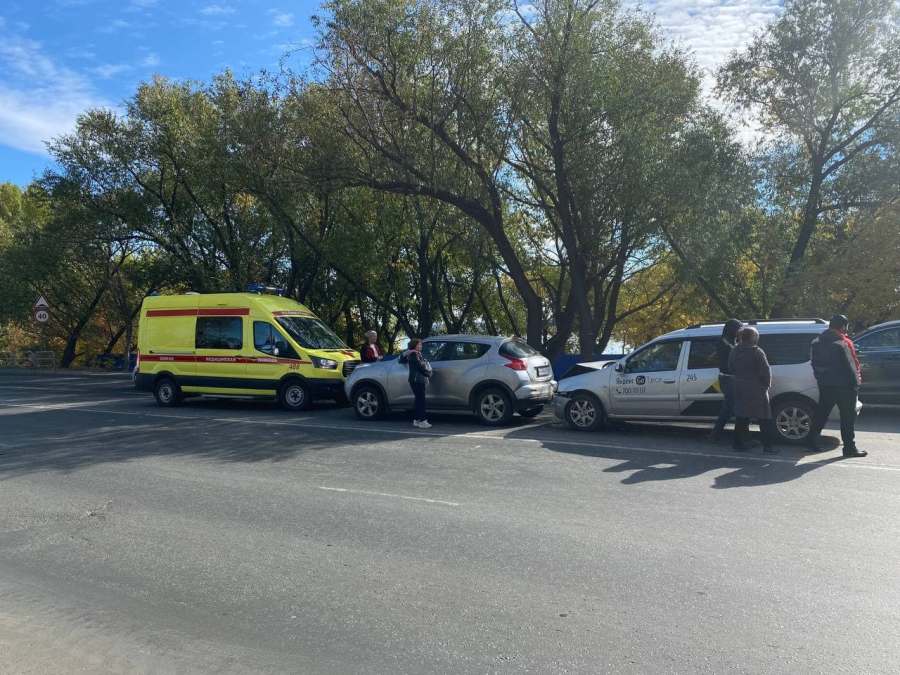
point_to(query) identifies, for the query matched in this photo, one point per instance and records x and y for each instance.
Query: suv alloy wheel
(793, 419)
(368, 403)
(493, 406)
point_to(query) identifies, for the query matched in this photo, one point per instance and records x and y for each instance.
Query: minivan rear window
(518, 349)
(786, 349)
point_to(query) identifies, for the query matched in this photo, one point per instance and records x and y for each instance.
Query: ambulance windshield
(311, 333)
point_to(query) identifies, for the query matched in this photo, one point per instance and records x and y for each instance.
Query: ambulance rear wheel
(294, 396)
(166, 392)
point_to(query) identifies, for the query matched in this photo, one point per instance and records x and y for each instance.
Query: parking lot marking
(59, 406)
(301, 423)
(388, 494)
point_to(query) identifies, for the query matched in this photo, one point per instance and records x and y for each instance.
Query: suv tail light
(514, 363)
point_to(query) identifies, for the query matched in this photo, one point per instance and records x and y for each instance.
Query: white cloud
(115, 26)
(144, 4)
(712, 29)
(282, 19)
(217, 10)
(39, 98)
(109, 70)
(150, 61)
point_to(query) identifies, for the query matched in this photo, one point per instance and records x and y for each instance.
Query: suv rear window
(518, 349)
(464, 351)
(786, 349)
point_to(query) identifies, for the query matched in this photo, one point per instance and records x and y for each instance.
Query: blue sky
(60, 57)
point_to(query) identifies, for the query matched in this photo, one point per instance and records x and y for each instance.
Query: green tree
(824, 80)
(69, 254)
(420, 96)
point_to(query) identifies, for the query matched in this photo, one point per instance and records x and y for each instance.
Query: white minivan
(675, 378)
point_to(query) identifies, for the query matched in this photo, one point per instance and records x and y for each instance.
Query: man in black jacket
(724, 347)
(838, 377)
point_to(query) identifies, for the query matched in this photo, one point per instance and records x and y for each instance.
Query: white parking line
(388, 494)
(60, 406)
(375, 429)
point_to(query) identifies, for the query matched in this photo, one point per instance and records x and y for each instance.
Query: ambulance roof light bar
(262, 288)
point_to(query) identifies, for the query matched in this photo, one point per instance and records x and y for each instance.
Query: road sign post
(42, 316)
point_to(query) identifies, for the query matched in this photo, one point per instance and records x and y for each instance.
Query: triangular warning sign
(41, 303)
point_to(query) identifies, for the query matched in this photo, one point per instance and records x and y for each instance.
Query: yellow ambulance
(238, 344)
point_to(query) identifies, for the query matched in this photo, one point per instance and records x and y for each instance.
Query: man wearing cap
(836, 368)
(371, 352)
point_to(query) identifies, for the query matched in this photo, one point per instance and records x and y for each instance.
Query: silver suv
(493, 377)
(675, 377)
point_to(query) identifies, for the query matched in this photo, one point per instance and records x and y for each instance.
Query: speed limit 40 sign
(41, 310)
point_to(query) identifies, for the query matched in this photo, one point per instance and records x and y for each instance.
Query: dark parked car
(879, 355)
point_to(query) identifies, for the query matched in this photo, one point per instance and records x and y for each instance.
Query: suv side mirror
(620, 367)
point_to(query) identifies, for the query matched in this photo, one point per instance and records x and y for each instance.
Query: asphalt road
(233, 537)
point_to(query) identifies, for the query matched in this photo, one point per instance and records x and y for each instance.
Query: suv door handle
(668, 381)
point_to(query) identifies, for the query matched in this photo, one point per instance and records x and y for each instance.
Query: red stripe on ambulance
(203, 311)
(183, 358)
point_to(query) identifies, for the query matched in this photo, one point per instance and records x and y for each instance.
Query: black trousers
(845, 399)
(418, 389)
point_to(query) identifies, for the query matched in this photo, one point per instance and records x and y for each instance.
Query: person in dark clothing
(836, 368)
(724, 347)
(371, 352)
(419, 373)
(752, 379)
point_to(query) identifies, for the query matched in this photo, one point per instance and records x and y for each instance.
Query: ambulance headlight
(327, 364)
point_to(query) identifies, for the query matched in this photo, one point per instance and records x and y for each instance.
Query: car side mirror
(619, 368)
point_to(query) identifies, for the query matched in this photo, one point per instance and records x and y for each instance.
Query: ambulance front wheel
(166, 392)
(294, 396)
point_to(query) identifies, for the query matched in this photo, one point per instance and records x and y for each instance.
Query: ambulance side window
(266, 338)
(219, 332)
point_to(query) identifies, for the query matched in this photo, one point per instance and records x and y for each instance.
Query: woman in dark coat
(752, 379)
(419, 372)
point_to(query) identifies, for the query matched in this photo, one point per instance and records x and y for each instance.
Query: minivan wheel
(294, 396)
(532, 412)
(584, 412)
(166, 392)
(368, 403)
(793, 419)
(493, 407)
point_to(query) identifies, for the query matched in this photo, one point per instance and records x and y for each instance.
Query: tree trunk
(69, 353)
(126, 327)
(786, 301)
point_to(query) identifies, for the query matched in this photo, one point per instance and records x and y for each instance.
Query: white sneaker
(416, 423)
(424, 424)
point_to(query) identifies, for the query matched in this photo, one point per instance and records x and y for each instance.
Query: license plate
(543, 370)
